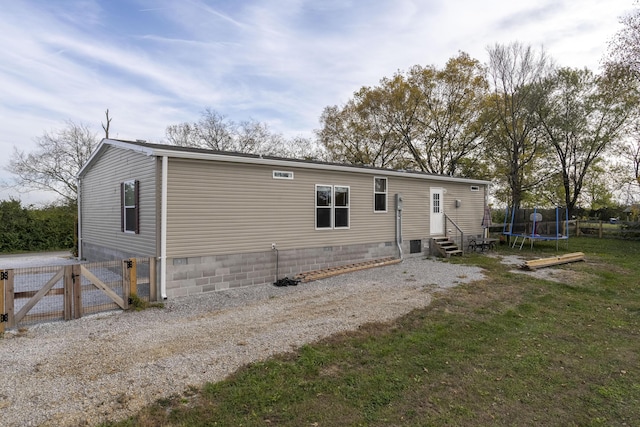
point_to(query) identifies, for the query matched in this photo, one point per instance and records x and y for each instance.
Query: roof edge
(162, 150)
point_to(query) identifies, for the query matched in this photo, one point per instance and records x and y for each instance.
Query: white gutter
(79, 189)
(163, 229)
(308, 165)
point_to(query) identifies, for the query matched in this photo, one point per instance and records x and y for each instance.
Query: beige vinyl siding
(415, 211)
(100, 201)
(469, 215)
(220, 207)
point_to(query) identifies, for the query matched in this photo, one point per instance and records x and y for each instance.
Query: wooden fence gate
(71, 291)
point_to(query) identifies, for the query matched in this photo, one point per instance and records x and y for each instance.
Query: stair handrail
(446, 218)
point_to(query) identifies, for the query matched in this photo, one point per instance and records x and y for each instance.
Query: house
(215, 220)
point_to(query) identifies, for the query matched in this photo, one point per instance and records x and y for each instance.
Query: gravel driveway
(37, 259)
(108, 366)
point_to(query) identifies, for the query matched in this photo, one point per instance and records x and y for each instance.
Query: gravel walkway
(108, 366)
(36, 259)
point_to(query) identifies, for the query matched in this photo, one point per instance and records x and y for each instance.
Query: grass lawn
(511, 350)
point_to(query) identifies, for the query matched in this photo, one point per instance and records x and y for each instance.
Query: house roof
(161, 150)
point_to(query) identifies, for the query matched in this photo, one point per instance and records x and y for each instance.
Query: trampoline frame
(508, 227)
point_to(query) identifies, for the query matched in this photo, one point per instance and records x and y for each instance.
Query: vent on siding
(282, 175)
(475, 188)
(415, 246)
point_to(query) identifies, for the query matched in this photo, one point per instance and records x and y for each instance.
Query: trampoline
(536, 224)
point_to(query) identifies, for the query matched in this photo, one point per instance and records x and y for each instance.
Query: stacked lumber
(534, 264)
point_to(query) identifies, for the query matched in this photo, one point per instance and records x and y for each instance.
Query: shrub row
(25, 229)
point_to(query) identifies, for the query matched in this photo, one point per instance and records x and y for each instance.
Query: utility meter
(399, 201)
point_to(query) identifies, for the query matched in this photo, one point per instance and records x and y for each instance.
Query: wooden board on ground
(547, 262)
(334, 271)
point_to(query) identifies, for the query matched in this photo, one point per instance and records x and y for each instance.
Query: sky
(154, 63)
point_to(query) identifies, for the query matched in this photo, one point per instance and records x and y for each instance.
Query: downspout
(79, 242)
(399, 223)
(163, 229)
(485, 232)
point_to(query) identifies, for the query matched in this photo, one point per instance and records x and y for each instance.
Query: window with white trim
(324, 205)
(129, 200)
(379, 194)
(332, 206)
(341, 209)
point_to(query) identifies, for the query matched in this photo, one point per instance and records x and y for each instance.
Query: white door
(437, 213)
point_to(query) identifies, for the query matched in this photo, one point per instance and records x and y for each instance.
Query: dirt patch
(566, 273)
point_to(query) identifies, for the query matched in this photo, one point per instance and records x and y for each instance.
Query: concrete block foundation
(194, 275)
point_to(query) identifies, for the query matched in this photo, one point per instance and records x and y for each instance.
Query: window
(129, 200)
(379, 194)
(341, 210)
(332, 206)
(323, 206)
(282, 175)
(436, 203)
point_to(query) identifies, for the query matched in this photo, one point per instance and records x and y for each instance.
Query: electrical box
(458, 203)
(398, 201)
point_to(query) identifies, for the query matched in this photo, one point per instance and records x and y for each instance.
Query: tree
(360, 133)
(582, 116)
(625, 169)
(106, 127)
(212, 131)
(596, 193)
(632, 153)
(452, 113)
(215, 131)
(299, 147)
(54, 165)
(427, 119)
(514, 144)
(624, 49)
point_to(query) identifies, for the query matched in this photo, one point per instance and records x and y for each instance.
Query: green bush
(26, 229)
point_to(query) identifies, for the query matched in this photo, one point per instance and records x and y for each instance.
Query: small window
(129, 200)
(282, 175)
(341, 210)
(332, 206)
(379, 194)
(324, 206)
(475, 188)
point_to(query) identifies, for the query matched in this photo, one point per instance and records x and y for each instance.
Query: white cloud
(155, 63)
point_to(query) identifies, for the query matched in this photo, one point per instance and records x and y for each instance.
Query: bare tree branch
(53, 166)
(106, 127)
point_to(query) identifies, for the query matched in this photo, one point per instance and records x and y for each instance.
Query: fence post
(600, 231)
(577, 228)
(125, 285)
(133, 276)
(68, 292)
(76, 278)
(129, 280)
(7, 319)
(4, 313)
(153, 291)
